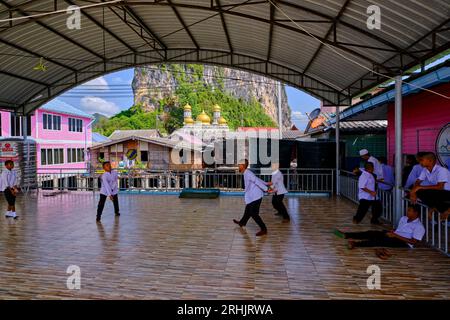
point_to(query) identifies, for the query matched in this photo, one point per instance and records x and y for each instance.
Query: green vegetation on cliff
(193, 90)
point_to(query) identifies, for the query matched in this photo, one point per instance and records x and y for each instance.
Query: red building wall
(424, 115)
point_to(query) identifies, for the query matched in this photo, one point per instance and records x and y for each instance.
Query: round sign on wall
(132, 154)
(443, 145)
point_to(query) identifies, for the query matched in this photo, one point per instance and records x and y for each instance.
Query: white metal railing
(436, 229)
(298, 180)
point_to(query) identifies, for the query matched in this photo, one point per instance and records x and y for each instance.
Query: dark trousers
(101, 204)
(375, 239)
(252, 211)
(364, 206)
(277, 202)
(10, 198)
(439, 199)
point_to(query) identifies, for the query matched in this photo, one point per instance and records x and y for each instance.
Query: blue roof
(97, 137)
(59, 106)
(435, 76)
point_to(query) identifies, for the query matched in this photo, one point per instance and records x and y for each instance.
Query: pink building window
(75, 155)
(16, 125)
(52, 156)
(75, 125)
(51, 121)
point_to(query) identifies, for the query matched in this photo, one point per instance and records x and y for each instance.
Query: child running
(279, 191)
(109, 189)
(254, 192)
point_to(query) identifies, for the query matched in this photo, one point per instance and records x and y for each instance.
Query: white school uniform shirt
(254, 187)
(389, 179)
(278, 182)
(437, 175)
(410, 230)
(413, 176)
(377, 168)
(366, 180)
(109, 184)
(8, 179)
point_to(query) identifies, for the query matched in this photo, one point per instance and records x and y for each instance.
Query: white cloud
(120, 80)
(299, 116)
(99, 83)
(92, 104)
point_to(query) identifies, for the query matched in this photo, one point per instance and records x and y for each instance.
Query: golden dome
(216, 108)
(188, 121)
(222, 121)
(203, 118)
(187, 107)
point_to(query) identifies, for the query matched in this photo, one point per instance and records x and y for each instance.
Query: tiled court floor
(163, 247)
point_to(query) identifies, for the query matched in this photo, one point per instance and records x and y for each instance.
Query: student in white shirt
(433, 185)
(109, 189)
(415, 172)
(254, 192)
(9, 188)
(367, 196)
(409, 231)
(388, 175)
(279, 190)
(377, 169)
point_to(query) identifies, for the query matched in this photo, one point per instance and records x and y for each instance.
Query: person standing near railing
(367, 195)
(9, 188)
(279, 190)
(254, 192)
(433, 185)
(377, 169)
(414, 172)
(109, 189)
(388, 174)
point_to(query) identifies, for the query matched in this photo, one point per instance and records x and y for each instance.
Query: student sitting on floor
(409, 231)
(367, 195)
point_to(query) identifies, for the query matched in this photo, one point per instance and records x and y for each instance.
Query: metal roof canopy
(251, 35)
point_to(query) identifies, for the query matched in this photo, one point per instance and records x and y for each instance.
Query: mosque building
(202, 126)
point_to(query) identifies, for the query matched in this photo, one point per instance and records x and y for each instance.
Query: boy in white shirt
(9, 187)
(254, 192)
(109, 189)
(433, 185)
(409, 231)
(279, 190)
(367, 195)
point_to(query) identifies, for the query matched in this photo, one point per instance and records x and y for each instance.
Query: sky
(112, 93)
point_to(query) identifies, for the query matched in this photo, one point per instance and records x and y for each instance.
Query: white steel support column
(398, 150)
(338, 180)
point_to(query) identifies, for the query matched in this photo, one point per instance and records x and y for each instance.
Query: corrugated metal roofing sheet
(153, 33)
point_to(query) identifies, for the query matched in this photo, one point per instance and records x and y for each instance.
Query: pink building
(425, 115)
(62, 134)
